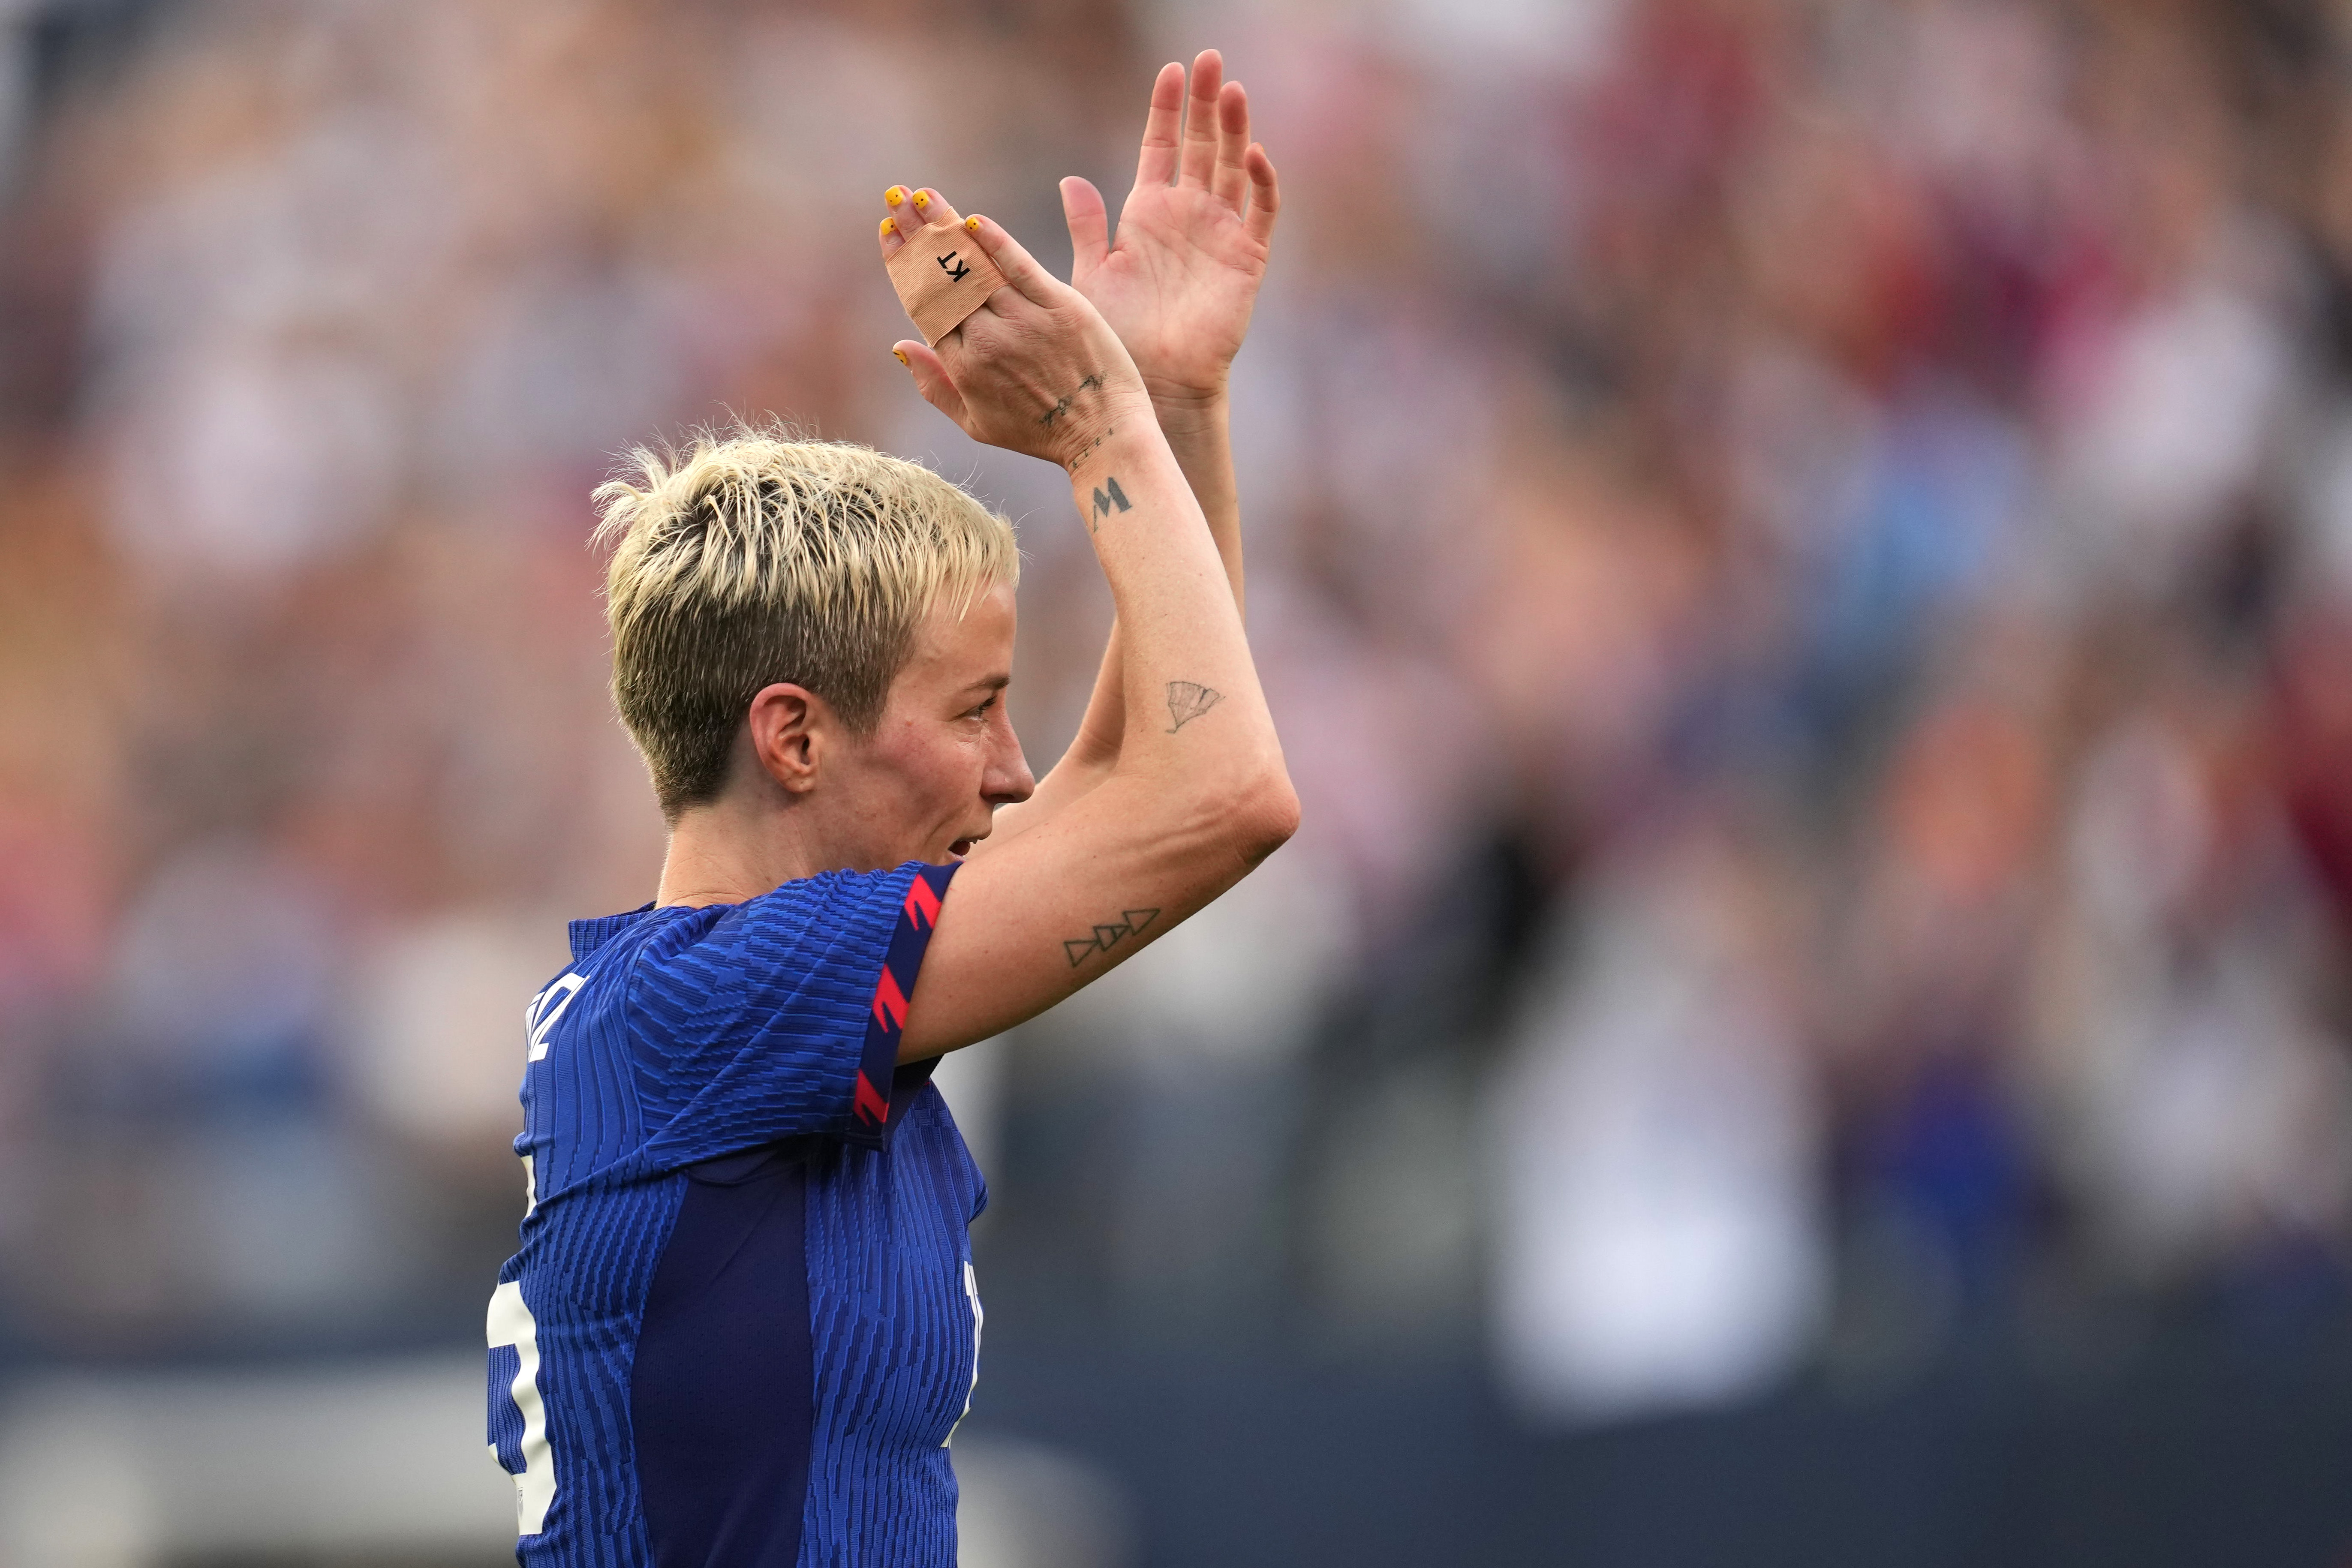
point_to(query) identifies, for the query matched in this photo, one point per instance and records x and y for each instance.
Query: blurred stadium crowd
(1802, 550)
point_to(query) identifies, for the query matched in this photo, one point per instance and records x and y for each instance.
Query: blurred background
(1802, 551)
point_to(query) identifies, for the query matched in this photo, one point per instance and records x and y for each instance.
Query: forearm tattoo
(1062, 406)
(1187, 700)
(1106, 501)
(1131, 923)
(1079, 461)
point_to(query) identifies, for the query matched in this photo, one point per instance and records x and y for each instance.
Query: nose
(1008, 779)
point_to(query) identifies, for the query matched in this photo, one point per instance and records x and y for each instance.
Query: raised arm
(1198, 795)
(1179, 289)
(1181, 284)
(1184, 276)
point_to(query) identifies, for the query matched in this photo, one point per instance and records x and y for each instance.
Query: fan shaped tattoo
(1188, 701)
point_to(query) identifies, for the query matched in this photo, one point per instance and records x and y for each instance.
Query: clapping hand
(1179, 284)
(1035, 369)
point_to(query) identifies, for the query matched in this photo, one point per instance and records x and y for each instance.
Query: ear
(791, 729)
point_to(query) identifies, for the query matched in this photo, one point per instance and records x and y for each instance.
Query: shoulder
(833, 923)
(810, 913)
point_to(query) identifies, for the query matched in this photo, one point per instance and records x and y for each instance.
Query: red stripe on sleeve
(889, 1002)
(922, 904)
(871, 1103)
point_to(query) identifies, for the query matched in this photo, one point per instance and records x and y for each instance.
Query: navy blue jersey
(742, 1324)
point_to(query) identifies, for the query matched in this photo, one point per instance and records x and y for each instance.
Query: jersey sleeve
(782, 1018)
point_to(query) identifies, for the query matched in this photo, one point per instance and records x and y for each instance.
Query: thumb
(1089, 222)
(931, 379)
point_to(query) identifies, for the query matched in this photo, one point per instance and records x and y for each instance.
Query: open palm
(1193, 237)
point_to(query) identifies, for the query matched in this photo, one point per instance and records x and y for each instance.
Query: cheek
(941, 771)
(972, 762)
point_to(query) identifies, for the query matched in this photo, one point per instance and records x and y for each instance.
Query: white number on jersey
(511, 1324)
(971, 1294)
(544, 1008)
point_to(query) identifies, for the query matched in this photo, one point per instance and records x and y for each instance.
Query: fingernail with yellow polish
(922, 200)
(973, 223)
(889, 225)
(899, 355)
(893, 195)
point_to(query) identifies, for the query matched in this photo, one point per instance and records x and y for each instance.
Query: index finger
(1022, 273)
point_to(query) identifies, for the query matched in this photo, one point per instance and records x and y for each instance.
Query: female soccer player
(742, 1323)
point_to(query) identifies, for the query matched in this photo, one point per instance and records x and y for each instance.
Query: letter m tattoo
(1104, 504)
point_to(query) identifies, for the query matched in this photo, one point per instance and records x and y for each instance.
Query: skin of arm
(1197, 794)
(1199, 435)
(1179, 289)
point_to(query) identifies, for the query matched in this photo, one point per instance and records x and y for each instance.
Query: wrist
(1121, 415)
(1190, 411)
(1124, 455)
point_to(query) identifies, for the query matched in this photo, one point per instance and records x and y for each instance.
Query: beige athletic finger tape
(941, 276)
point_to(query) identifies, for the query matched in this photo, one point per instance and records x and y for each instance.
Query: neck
(734, 849)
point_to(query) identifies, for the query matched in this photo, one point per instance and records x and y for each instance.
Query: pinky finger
(1265, 193)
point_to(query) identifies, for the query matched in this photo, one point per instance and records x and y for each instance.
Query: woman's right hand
(1035, 369)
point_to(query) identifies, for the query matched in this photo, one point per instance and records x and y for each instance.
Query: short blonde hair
(752, 558)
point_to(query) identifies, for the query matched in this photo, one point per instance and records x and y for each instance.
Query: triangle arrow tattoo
(1131, 922)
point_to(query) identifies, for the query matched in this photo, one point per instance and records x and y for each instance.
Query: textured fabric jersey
(741, 1326)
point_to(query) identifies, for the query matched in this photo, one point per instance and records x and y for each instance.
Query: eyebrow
(989, 683)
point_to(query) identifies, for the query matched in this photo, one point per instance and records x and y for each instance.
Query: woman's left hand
(1179, 284)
